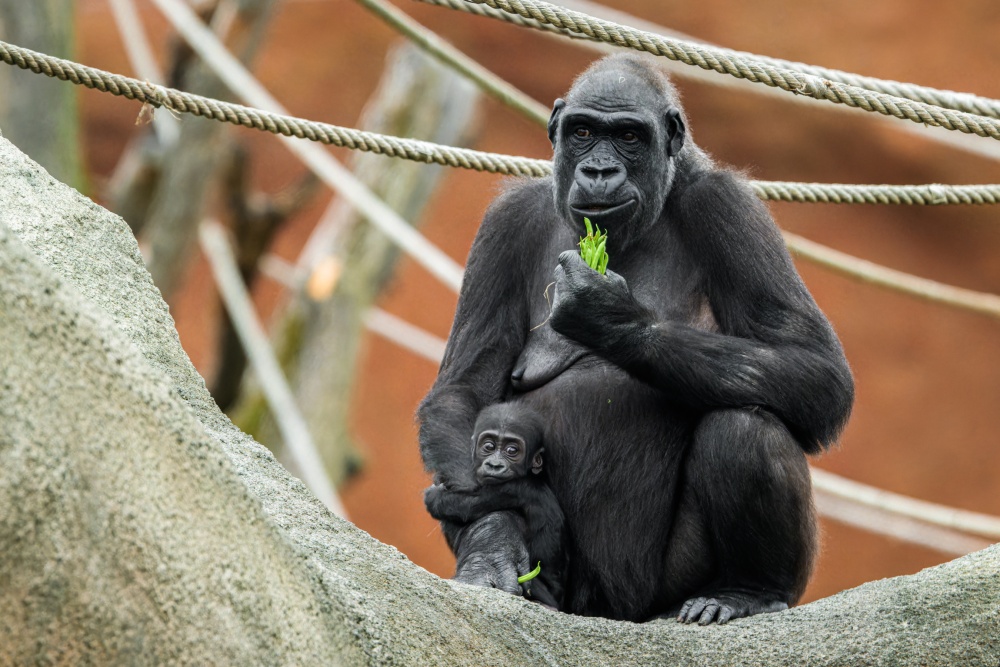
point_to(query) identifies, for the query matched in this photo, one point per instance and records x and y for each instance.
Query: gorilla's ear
(554, 119)
(675, 132)
(536, 462)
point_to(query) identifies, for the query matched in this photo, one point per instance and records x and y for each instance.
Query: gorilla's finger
(725, 614)
(694, 611)
(707, 616)
(570, 259)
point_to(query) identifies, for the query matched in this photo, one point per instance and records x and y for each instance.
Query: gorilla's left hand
(491, 553)
(597, 311)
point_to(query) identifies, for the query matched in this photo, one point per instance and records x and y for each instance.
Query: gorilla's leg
(490, 551)
(752, 490)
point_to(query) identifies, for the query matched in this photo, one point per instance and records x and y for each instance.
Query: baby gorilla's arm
(467, 506)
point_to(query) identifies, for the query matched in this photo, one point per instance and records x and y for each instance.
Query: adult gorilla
(681, 392)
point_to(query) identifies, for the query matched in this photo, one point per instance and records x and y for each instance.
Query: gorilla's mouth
(599, 211)
(489, 479)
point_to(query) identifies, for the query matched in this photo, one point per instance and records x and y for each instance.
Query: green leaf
(534, 573)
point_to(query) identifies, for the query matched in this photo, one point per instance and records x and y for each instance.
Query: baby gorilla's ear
(536, 462)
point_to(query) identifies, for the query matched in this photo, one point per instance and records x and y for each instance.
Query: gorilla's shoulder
(715, 181)
(528, 201)
(715, 192)
(526, 187)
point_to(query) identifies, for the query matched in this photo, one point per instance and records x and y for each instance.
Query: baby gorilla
(507, 458)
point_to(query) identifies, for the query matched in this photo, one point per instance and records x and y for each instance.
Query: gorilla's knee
(745, 436)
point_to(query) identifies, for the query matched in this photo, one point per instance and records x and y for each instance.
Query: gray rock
(138, 526)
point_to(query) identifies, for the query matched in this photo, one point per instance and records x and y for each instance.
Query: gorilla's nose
(494, 466)
(600, 180)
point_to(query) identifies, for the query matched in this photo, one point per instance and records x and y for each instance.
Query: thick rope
(431, 153)
(181, 102)
(756, 71)
(835, 193)
(947, 99)
(489, 12)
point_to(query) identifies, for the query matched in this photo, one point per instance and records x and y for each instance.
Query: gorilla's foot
(724, 605)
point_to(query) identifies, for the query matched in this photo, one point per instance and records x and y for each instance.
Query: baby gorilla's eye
(582, 132)
(512, 450)
(489, 446)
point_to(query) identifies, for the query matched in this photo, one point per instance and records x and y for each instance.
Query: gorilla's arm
(520, 495)
(775, 349)
(488, 333)
(542, 528)
(490, 551)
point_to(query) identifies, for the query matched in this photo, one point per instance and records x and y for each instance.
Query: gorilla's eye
(582, 132)
(489, 446)
(511, 450)
(630, 137)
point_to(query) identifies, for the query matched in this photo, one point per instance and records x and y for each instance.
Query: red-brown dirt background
(927, 375)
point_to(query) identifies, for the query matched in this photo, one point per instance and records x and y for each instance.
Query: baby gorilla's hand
(455, 505)
(434, 500)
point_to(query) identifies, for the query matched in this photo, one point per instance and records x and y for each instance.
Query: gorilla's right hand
(491, 553)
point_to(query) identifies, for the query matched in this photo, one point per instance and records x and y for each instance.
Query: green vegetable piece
(599, 253)
(593, 246)
(524, 578)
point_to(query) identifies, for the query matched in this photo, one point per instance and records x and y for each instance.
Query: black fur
(524, 490)
(680, 393)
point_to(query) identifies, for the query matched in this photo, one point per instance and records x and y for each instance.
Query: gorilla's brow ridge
(609, 103)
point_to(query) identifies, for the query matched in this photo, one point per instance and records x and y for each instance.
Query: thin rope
(876, 274)
(750, 69)
(975, 523)
(431, 153)
(487, 81)
(292, 425)
(947, 99)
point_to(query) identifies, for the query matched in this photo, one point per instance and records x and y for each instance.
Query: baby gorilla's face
(500, 457)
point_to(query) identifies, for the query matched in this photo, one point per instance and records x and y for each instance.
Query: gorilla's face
(614, 139)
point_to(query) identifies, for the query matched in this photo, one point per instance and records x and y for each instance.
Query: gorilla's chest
(663, 279)
(614, 445)
(604, 424)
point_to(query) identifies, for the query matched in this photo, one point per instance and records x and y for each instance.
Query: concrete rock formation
(138, 526)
